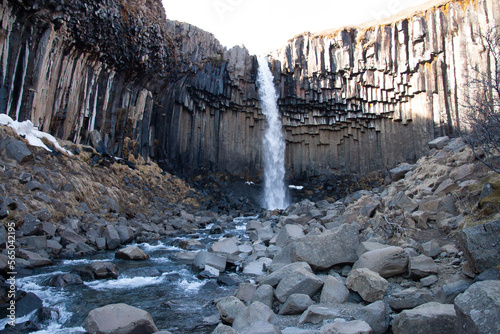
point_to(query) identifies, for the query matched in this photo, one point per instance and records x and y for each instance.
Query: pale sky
(266, 25)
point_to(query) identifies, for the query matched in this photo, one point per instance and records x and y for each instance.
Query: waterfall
(273, 144)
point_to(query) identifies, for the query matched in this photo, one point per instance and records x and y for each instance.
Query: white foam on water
(125, 283)
(78, 262)
(191, 286)
(159, 246)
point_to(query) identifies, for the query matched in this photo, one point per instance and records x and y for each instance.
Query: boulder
(112, 237)
(430, 248)
(427, 318)
(318, 313)
(63, 280)
(214, 260)
(229, 308)
(367, 246)
(125, 233)
(387, 262)
(399, 172)
(103, 270)
(439, 143)
(299, 281)
(17, 150)
(289, 233)
(131, 253)
(34, 259)
(481, 245)
(191, 244)
(447, 293)
(245, 292)
(223, 329)
(274, 278)
(296, 304)
(225, 245)
(334, 291)
(478, 308)
(323, 251)
(409, 298)
(376, 315)
(119, 319)
(264, 294)
(422, 266)
(369, 284)
(341, 326)
(256, 319)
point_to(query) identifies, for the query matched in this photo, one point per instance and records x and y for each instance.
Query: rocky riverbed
(418, 254)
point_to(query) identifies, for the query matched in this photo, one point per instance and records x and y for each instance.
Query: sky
(266, 25)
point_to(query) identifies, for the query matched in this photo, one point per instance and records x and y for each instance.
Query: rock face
(351, 100)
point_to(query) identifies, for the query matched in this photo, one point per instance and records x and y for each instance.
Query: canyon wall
(352, 100)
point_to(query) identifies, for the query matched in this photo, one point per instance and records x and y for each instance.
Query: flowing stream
(167, 288)
(273, 145)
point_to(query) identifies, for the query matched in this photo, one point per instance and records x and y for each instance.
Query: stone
(439, 143)
(319, 313)
(427, 318)
(191, 244)
(225, 245)
(409, 298)
(421, 218)
(429, 280)
(245, 292)
(113, 240)
(296, 304)
(70, 237)
(229, 308)
(367, 246)
(18, 151)
(49, 229)
(334, 291)
(422, 266)
(274, 278)
(204, 258)
(488, 275)
(63, 280)
(299, 281)
(387, 262)
(254, 268)
(447, 293)
(119, 318)
(223, 329)
(430, 248)
(341, 326)
(325, 250)
(403, 202)
(376, 315)
(125, 233)
(369, 284)
(133, 253)
(289, 233)
(103, 270)
(399, 172)
(27, 304)
(256, 319)
(481, 245)
(31, 225)
(264, 294)
(446, 187)
(478, 308)
(34, 259)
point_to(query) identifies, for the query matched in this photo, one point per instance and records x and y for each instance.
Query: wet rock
(27, 304)
(229, 308)
(299, 281)
(63, 280)
(369, 284)
(323, 251)
(478, 308)
(341, 326)
(191, 244)
(256, 318)
(204, 258)
(103, 270)
(387, 262)
(422, 266)
(334, 291)
(131, 253)
(409, 298)
(296, 304)
(119, 318)
(427, 318)
(481, 245)
(225, 245)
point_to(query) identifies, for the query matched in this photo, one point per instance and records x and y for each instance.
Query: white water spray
(273, 145)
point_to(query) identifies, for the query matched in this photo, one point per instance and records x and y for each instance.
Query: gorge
(352, 100)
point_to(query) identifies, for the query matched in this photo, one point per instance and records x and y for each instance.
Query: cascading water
(273, 145)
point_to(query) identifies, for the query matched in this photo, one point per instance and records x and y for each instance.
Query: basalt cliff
(352, 100)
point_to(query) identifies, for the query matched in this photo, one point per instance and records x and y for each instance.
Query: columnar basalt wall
(352, 100)
(359, 99)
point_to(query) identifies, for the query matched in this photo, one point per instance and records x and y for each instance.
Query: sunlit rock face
(351, 100)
